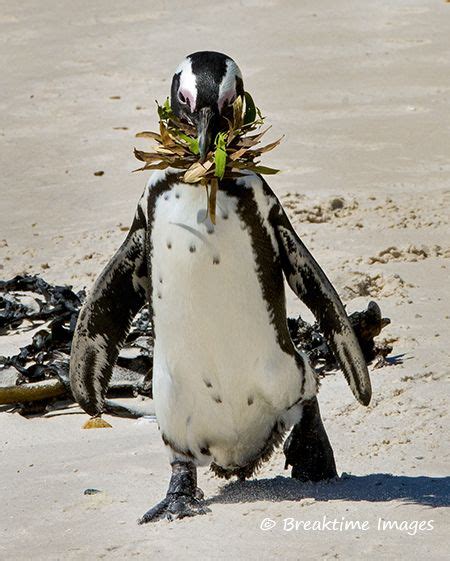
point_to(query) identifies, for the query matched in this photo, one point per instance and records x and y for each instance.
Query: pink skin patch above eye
(185, 96)
(226, 99)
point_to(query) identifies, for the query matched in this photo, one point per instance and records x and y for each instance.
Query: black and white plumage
(227, 379)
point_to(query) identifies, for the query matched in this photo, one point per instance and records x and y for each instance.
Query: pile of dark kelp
(37, 376)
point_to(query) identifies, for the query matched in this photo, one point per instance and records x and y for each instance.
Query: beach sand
(361, 90)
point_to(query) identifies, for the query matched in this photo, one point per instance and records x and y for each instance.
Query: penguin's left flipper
(183, 497)
(312, 286)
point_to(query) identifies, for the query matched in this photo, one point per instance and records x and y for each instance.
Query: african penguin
(227, 379)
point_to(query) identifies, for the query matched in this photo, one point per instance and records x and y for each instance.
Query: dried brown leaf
(212, 199)
(149, 134)
(178, 149)
(146, 156)
(271, 146)
(264, 149)
(160, 165)
(238, 117)
(196, 171)
(252, 140)
(164, 151)
(238, 154)
(165, 136)
(264, 170)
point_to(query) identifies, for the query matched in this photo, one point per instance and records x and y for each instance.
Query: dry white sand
(361, 90)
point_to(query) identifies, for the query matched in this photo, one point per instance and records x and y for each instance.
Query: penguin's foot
(183, 498)
(174, 506)
(307, 448)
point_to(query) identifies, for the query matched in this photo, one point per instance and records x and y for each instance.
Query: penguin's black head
(204, 87)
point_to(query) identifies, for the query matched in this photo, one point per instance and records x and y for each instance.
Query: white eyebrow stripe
(188, 84)
(228, 83)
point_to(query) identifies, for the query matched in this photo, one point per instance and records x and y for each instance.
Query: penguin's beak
(204, 131)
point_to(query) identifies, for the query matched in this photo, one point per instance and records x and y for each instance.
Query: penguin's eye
(181, 97)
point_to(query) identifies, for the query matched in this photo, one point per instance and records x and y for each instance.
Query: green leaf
(191, 142)
(220, 155)
(250, 109)
(164, 111)
(178, 146)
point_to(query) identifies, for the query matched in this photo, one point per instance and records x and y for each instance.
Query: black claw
(199, 494)
(155, 513)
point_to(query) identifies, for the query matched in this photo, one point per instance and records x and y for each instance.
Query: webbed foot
(307, 448)
(174, 506)
(183, 498)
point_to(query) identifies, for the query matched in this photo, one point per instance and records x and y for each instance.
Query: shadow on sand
(377, 487)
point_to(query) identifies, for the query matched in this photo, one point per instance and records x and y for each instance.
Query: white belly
(220, 379)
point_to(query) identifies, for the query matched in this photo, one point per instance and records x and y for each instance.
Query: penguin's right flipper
(309, 282)
(105, 319)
